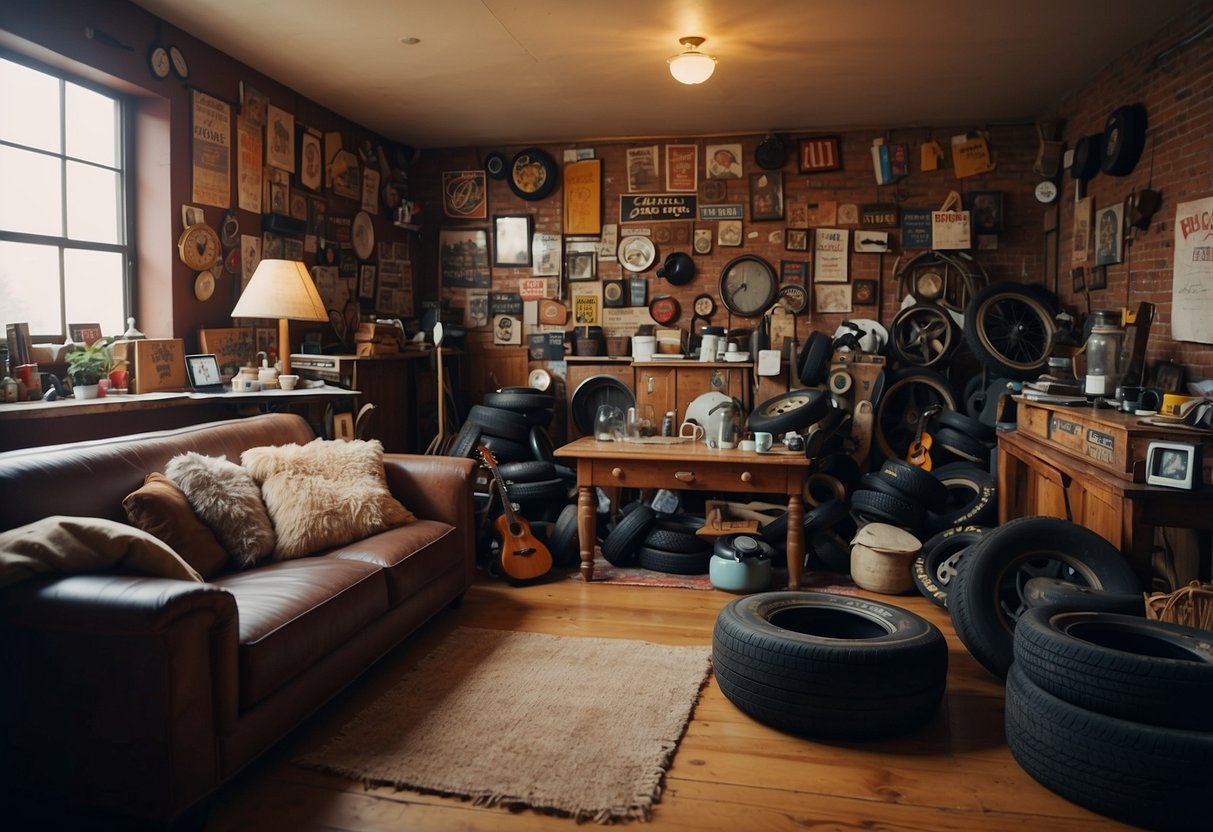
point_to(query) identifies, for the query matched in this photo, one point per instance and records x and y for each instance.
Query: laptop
(203, 372)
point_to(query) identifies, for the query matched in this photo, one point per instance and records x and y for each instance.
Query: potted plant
(86, 365)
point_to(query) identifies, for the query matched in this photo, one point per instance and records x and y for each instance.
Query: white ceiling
(511, 72)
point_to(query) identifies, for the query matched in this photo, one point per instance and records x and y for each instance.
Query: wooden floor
(729, 773)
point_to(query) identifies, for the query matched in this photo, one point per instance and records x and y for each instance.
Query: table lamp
(281, 289)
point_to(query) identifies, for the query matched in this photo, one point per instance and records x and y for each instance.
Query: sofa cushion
(225, 497)
(323, 494)
(294, 613)
(86, 544)
(161, 508)
(411, 556)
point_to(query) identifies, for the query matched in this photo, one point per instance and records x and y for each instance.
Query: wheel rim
(1017, 329)
(923, 335)
(1012, 582)
(900, 407)
(787, 404)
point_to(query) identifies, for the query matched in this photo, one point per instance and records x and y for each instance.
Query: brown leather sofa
(142, 695)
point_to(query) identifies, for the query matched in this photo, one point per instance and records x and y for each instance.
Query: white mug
(691, 429)
(763, 441)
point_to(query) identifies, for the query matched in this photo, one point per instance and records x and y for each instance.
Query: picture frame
(344, 175)
(865, 292)
(84, 333)
(986, 212)
(1109, 235)
(512, 239)
(722, 161)
(203, 372)
(233, 348)
(766, 195)
(682, 167)
(819, 154)
(465, 194)
(794, 272)
(366, 281)
(311, 161)
(545, 254)
(1078, 278)
(796, 239)
(580, 265)
(728, 233)
(833, 297)
(703, 241)
(1097, 278)
(463, 258)
(280, 139)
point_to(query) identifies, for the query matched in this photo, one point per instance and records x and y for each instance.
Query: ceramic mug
(691, 429)
(762, 441)
(288, 381)
(747, 445)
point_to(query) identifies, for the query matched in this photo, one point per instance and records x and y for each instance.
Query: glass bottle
(1103, 358)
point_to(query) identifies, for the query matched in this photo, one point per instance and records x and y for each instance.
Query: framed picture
(766, 196)
(344, 175)
(84, 333)
(728, 233)
(1109, 235)
(986, 207)
(682, 167)
(233, 347)
(464, 194)
(794, 271)
(1078, 277)
(512, 239)
(833, 297)
(280, 139)
(311, 171)
(865, 293)
(613, 294)
(820, 154)
(642, 169)
(703, 241)
(366, 281)
(796, 239)
(545, 254)
(723, 161)
(580, 265)
(1097, 277)
(463, 258)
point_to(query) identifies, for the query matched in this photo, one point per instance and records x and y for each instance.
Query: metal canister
(667, 424)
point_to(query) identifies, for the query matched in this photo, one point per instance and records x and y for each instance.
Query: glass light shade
(692, 67)
(281, 289)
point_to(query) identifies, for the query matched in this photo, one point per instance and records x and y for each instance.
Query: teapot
(724, 425)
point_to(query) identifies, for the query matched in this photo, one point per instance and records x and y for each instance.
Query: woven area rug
(605, 573)
(584, 727)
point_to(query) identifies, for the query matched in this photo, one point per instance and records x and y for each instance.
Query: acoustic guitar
(521, 556)
(919, 453)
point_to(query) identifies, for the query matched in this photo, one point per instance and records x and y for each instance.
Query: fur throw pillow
(324, 494)
(224, 496)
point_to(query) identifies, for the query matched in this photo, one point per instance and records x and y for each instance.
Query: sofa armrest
(433, 487)
(117, 688)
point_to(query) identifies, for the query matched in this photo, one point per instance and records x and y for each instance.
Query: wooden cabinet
(1036, 480)
(674, 385)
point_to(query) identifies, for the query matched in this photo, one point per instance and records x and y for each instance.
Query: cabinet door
(656, 385)
(695, 381)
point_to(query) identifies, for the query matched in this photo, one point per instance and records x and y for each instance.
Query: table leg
(587, 521)
(795, 540)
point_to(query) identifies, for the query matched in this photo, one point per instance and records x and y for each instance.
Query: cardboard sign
(583, 197)
(951, 230)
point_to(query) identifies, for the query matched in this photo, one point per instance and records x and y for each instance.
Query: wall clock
(180, 64)
(532, 174)
(158, 62)
(363, 233)
(748, 285)
(1046, 192)
(204, 285)
(704, 306)
(198, 246)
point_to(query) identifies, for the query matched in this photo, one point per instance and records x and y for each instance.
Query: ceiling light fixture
(692, 66)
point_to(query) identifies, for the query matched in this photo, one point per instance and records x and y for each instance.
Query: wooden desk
(29, 424)
(689, 466)
(1035, 479)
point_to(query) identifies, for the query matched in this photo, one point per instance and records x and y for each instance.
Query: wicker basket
(1191, 606)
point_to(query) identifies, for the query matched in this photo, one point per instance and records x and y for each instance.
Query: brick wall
(1175, 93)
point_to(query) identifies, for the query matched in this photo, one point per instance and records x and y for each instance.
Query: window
(64, 238)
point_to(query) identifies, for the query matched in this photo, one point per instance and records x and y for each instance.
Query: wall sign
(583, 197)
(878, 214)
(916, 228)
(656, 207)
(733, 211)
(820, 154)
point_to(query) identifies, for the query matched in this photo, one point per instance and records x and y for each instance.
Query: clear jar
(1103, 359)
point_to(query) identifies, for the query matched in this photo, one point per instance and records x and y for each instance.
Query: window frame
(126, 247)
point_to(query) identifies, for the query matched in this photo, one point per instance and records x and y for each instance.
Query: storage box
(1112, 440)
(154, 363)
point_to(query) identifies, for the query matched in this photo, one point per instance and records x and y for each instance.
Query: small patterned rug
(605, 573)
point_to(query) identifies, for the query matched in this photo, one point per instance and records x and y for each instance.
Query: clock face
(198, 246)
(204, 285)
(1046, 192)
(180, 65)
(704, 306)
(748, 286)
(158, 62)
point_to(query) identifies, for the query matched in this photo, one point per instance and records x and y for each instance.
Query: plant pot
(86, 391)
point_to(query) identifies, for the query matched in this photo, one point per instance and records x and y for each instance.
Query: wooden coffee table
(688, 466)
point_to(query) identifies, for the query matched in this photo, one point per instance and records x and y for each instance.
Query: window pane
(36, 177)
(92, 203)
(93, 284)
(92, 126)
(29, 286)
(29, 107)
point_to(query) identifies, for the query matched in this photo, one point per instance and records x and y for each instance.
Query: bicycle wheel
(1010, 330)
(922, 335)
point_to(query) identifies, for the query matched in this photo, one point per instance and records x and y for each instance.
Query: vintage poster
(642, 169)
(1083, 210)
(280, 139)
(1192, 280)
(681, 167)
(583, 197)
(212, 151)
(830, 255)
(248, 166)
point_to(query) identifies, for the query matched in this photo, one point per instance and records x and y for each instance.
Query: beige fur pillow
(224, 496)
(324, 494)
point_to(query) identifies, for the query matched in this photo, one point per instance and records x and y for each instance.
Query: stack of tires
(1112, 712)
(658, 541)
(512, 422)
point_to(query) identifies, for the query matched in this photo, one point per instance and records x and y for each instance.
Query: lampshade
(281, 289)
(284, 290)
(692, 66)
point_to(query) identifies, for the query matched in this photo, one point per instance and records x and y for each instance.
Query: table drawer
(703, 476)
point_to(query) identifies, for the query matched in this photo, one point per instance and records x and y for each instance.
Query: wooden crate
(154, 364)
(1114, 441)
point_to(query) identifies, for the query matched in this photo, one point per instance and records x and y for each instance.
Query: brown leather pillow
(161, 509)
